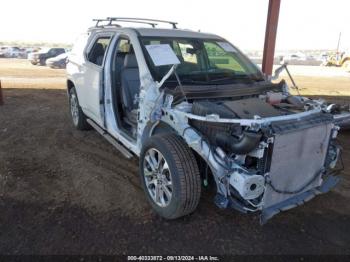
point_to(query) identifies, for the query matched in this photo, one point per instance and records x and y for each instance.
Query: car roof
(174, 33)
(159, 32)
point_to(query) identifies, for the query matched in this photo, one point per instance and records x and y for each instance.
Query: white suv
(195, 110)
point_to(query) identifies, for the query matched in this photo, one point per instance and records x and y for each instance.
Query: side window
(54, 51)
(124, 46)
(98, 50)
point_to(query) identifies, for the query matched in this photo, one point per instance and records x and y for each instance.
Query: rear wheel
(170, 176)
(77, 114)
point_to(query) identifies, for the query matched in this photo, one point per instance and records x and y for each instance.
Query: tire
(33, 63)
(78, 117)
(346, 65)
(182, 172)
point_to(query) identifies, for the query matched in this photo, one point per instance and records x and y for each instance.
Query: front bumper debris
(298, 200)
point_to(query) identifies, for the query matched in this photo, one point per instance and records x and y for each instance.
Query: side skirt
(111, 140)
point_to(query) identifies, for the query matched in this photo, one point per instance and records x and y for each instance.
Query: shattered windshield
(205, 61)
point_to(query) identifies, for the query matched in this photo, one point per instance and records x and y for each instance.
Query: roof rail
(151, 22)
(110, 22)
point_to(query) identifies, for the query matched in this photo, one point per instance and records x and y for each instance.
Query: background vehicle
(44, 54)
(195, 109)
(27, 51)
(300, 58)
(59, 61)
(3, 51)
(339, 59)
(12, 52)
(32, 52)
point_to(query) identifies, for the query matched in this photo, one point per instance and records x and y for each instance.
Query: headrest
(130, 61)
(124, 48)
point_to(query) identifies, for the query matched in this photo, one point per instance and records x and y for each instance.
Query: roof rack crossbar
(152, 22)
(99, 20)
(110, 22)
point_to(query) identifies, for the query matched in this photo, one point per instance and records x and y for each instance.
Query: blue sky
(303, 24)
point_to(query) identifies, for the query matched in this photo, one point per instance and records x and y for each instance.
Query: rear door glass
(98, 50)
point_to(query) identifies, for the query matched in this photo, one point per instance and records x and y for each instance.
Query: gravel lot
(68, 192)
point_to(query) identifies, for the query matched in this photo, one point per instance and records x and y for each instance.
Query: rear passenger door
(93, 76)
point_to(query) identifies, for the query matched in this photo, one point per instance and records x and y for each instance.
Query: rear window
(97, 52)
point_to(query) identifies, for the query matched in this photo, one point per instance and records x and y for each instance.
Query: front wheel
(170, 176)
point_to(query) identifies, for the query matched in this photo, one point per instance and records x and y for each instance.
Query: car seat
(130, 88)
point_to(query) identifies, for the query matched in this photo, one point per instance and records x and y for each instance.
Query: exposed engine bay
(232, 137)
(268, 150)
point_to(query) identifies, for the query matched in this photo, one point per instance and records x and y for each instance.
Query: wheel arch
(162, 127)
(345, 59)
(152, 129)
(70, 85)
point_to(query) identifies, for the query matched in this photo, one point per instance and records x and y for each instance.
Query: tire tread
(189, 173)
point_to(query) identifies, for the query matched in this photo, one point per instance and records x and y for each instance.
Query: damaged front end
(268, 151)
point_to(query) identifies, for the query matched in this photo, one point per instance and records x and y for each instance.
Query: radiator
(297, 158)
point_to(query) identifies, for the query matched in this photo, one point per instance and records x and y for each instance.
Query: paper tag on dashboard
(227, 47)
(162, 55)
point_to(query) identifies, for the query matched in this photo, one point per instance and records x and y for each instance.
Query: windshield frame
(257, 76)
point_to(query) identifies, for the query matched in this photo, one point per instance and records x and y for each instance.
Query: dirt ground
(68, 192)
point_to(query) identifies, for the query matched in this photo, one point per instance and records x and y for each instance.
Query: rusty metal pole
(270, 36)
(1, 96)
